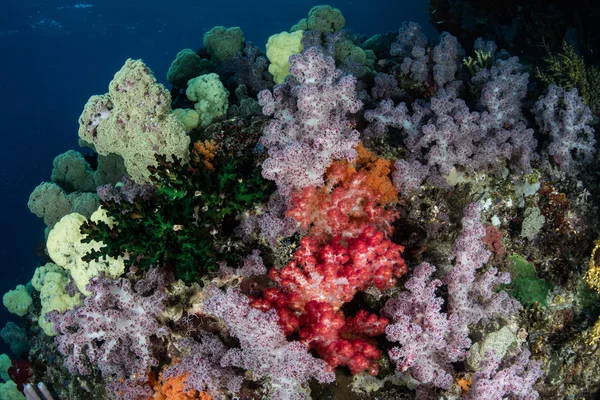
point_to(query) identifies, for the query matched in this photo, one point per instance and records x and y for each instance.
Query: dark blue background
(52, 61)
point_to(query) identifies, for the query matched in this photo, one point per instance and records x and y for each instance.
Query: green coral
(193, 209)
(222, 43)
(321, 18)
(526, 286)
(483, 59)
(187, 65)
(567, 69)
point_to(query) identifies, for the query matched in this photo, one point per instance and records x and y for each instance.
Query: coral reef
(342, 217)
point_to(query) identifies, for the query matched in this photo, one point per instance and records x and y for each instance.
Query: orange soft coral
(378, 174)
(205, 152)
(175, 388)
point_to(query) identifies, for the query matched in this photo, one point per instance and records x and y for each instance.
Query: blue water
(54, 55)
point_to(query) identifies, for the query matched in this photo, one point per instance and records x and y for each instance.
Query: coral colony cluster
(339, 217)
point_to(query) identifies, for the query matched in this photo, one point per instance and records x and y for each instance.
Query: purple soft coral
(512, 379)
(432, 340)
(567, 120)
(421, 328)
(114, 329)
(310, 127)
(264, 349)
(201, 362)
(127, 191)
(471, 296)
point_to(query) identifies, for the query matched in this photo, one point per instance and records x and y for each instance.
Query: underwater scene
(302, 210)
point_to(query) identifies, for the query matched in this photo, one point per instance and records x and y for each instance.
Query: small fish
(434, 11)
(439, 22)
(74, 6)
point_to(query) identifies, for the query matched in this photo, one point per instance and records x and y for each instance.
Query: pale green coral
(187, 65)
(5, 364)
(134, 120)
(210, 97)
(111, 169)
(73, 173)
(189, 118)
(66, 249)
(50, 202)
(51, 281)
(9, 391)
(532, 223)
(279, 49)
(17, 301)
(497, 342)
(84, 203)
(345, 48)
(321, 18)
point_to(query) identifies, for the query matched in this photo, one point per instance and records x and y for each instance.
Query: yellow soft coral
(593, 274)
(66, 248)
(279, 49)
(593, 280)
(134, 120)
(52, 281)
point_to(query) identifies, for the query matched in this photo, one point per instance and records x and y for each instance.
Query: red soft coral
(334, 338)
(319, 280)
(334, 272)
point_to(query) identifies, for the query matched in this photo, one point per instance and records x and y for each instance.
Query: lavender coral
(431, 340)
(310, 126)
(563, 116)
(201, 364)
(116, 328)
(411, 46)
(512, 379)
(446, 136)
(420, 328)
(447, 57)
(471, 295)
(264, 349)
(503, 86)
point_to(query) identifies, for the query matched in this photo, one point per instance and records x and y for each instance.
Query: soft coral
(346, 204)
(321, 278)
